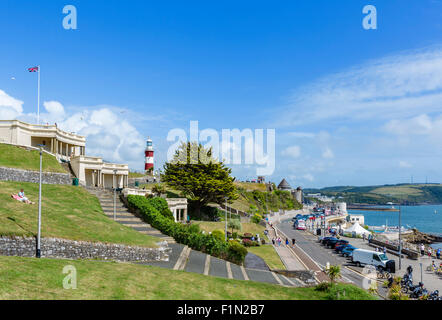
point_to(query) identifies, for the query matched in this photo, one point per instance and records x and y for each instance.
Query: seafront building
(69, 148)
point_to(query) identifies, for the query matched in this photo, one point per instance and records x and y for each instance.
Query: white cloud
(108, 135)
(421, 124)
(302, 134)
(10, 108)
(308, 177)
(293, 151)
(394, 87)
(328, 153)
(404, 164)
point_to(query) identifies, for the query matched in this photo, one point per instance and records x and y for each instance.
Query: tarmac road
(321, 255)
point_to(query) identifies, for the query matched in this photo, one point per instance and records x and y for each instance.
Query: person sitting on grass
(21, 197)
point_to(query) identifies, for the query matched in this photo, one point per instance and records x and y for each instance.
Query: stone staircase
(124, 216)
(68, 168)
(184, 258)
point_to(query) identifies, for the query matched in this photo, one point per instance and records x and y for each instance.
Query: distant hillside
(399, 193)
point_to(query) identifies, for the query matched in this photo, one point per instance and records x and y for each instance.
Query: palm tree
(334, 272)
(159, 189)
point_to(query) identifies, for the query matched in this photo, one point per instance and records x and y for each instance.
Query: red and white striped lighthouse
(149, 156)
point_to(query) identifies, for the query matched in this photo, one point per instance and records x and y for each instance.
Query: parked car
(378, 259)
(340, 247)
(300, 225)
(348, 251)
(327, 240)
(334, 244)
(322, 239)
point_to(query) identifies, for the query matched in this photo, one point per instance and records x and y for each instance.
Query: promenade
(293, 257)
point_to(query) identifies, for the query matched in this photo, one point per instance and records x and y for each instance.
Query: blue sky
(349, 106)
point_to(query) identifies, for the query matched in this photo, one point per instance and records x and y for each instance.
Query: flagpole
(38, 102)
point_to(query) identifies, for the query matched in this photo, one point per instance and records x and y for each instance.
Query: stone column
(185, 214)
(93, 178)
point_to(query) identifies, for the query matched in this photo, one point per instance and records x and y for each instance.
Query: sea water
(422, 218)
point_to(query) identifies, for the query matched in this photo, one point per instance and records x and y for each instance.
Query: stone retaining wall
(69, 249)
(307, 276)
(10, 174)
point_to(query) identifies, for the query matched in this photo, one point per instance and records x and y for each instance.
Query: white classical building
(66, 147)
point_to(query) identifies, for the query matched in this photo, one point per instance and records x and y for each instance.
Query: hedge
(155, 212)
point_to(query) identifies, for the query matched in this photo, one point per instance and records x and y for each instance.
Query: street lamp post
(38, 252)
(115, 195)
(400, 239)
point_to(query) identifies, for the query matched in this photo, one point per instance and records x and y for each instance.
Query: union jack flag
(34, 69)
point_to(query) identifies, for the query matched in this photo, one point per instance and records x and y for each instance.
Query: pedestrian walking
(430, 252)
(273, 241)
(384, 250)
(438, 253)
(422, 249)
(293, 242)
(287, 242)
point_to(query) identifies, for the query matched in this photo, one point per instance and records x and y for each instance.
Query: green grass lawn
(270, 256)
(30, 278)
(68, 212)
(267, 252)
(20, 158)
(136, 175)
(249, 227)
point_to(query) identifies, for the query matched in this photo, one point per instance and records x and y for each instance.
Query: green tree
(234, 224)
(200, 177)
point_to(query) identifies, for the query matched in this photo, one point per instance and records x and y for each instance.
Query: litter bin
(137, 183)
(390, 266)
(75, 181)
(318, 232)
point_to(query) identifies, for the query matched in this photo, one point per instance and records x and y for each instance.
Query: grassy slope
(29, 278)
(252, 228)
(251, 186)
(136, 175)
(67, 212)
(20, 158)
(270, 256)
(266, 252)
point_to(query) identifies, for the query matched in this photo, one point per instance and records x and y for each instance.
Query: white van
(367, 257)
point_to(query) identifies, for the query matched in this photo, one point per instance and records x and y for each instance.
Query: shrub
(395, 293)
(237, 251)
(194, 228)
(256, 218)
(153, 212)
(323, 286)
(235, 235)
(247, 242)
(219, 234)
(247, 235)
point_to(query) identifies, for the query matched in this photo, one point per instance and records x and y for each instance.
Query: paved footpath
(288, 257)
(294, 257)
(183, 258)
